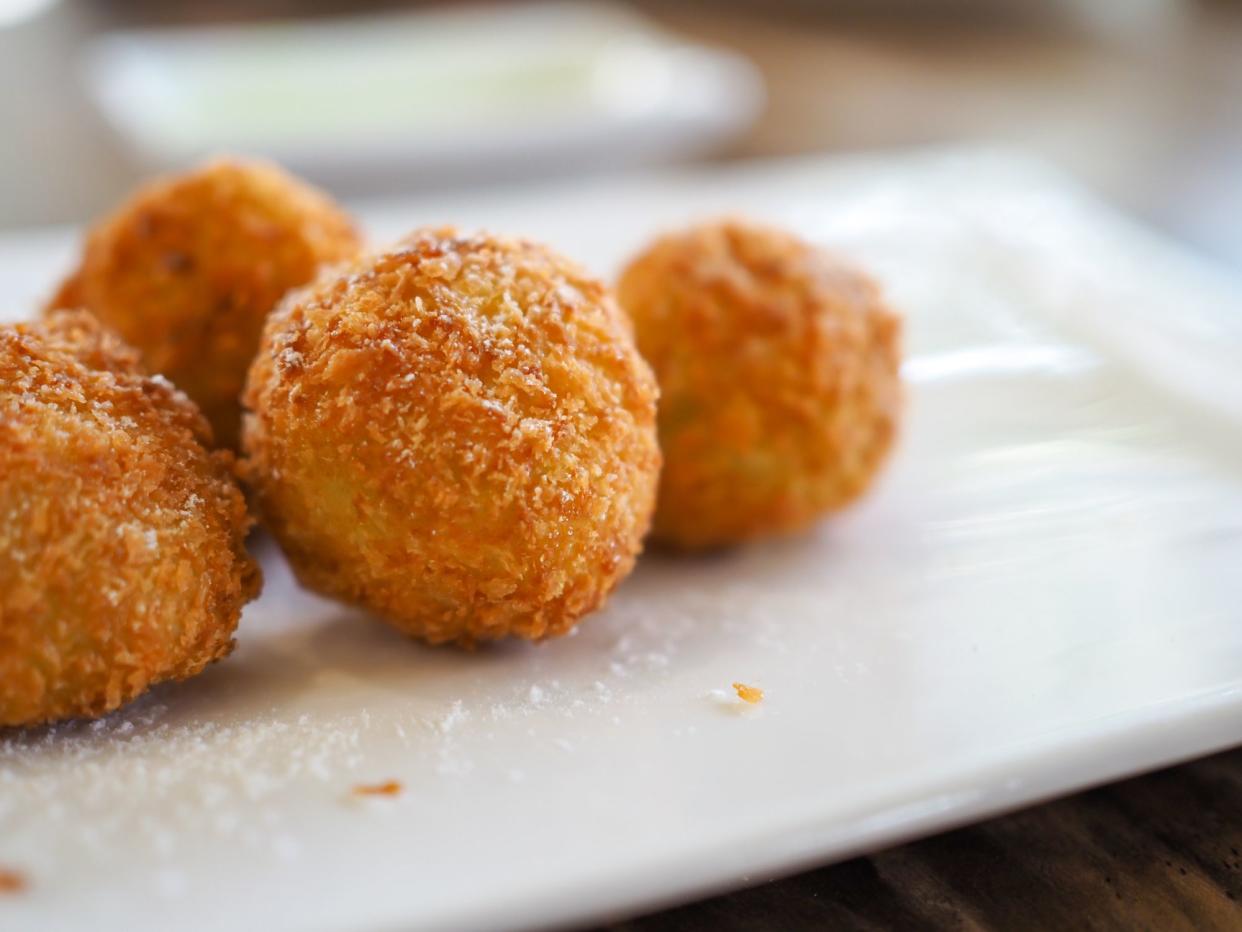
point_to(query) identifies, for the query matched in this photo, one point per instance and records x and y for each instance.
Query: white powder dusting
(164, 781)
(455, 716)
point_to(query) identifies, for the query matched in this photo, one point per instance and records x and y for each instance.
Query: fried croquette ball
(189, 267)
(458, 435)
(778, 372)
(121, 556)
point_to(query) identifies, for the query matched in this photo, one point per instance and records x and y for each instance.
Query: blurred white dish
(505, 89)
(1043, 593)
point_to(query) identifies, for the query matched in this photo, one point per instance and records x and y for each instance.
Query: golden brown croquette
(457, 434)
(187, 269)
(121, 537)
(778, 371)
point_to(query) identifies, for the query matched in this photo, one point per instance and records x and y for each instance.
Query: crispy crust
(121, 537)
(457, 434)
(778, 371)
(188, 268)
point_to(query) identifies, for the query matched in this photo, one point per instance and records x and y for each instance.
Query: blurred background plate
(475, 90)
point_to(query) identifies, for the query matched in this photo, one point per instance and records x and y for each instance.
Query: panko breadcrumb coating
(121, 537)
(457, 434)
(189, 267)
(778, 371)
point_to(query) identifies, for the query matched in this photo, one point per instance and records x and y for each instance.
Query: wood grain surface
(1162, 852)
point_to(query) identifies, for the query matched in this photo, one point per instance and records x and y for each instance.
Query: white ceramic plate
(1044, 592)
(424, 94)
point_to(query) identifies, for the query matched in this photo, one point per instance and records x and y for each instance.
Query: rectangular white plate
(1044, 592)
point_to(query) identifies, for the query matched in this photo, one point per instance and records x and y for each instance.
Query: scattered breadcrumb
(751, 694)
(387, 788)
(11, 881)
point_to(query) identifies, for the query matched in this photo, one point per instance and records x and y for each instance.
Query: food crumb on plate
(11, 881)
(387, 788)
(751, 694)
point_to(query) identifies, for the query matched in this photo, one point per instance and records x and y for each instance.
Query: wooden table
(1161, 852)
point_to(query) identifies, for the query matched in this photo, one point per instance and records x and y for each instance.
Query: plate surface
(1044, 592)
